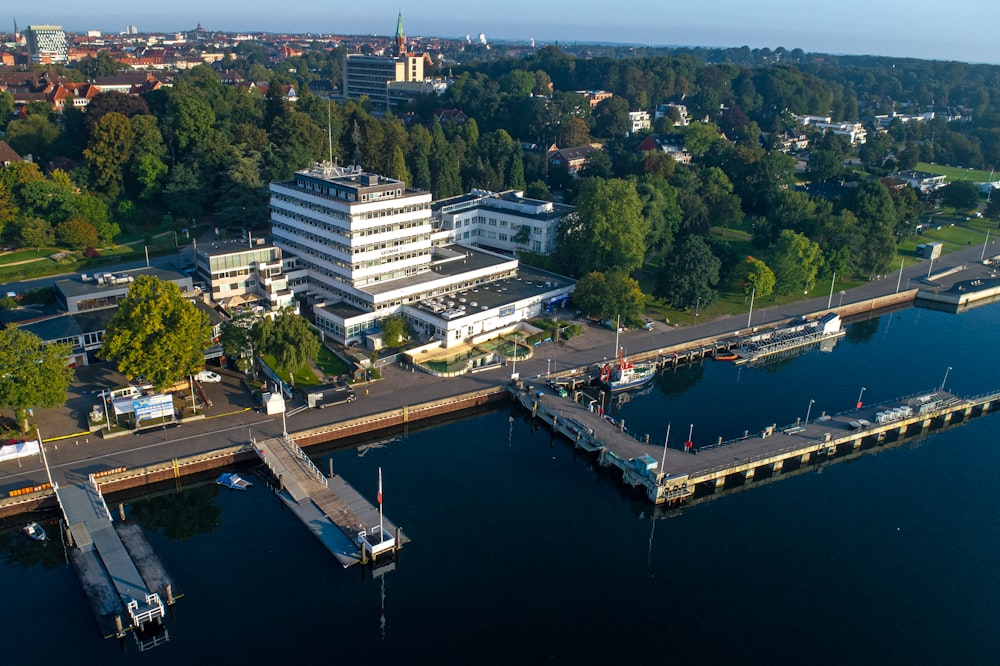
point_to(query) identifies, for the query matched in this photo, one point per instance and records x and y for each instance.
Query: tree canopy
(607, 231)
(31, 374)
(288, 338)
(157, 333)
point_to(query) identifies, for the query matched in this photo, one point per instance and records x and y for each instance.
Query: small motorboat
(233, 481)
(35, 531)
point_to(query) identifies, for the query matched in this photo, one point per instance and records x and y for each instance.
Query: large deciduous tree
(756, 277)
(156, 333)
(689, 274)
(795, 261)
(31, 374)
(609, 295)
(288, 339)
(110, 148)
(607, 230)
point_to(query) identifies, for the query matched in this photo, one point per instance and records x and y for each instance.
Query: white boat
(233, 481)
(35, 531)
(624, 374)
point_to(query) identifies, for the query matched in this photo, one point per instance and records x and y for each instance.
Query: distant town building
(46, 44)
(921, 180)
(386, 81)
(854, 132)
(639, 121)
(671, 144)
(570, 159)
(595, 97)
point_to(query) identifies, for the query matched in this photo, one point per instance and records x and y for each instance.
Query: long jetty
(347, 524)
(672, 476)
(118, 569)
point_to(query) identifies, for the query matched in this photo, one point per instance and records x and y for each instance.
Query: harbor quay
(673, 475)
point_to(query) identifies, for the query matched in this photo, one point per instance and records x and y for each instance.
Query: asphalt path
(232, 420)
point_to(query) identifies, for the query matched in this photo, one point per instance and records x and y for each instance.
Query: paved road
(231, 421)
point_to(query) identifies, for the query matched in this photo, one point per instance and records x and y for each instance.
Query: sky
(962, 30)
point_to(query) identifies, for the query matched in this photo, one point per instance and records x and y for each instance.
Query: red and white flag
(380, 486)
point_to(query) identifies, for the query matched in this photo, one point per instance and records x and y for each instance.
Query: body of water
(525, 551)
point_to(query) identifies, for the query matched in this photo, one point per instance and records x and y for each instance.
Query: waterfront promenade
(233, 424)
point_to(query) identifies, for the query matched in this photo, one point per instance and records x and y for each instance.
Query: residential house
(570, 159)
(671, 144)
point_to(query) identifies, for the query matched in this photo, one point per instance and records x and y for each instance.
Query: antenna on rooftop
(329, 130)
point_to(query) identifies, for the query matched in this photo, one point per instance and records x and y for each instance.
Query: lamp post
(829, 301)
(548, 366)
(983, 253)
(808, 411)
(697, 306)
(859, 396)
(842, 292)
(945, 380)
(750, 316)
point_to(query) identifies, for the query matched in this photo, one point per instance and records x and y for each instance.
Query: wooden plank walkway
(321, 503)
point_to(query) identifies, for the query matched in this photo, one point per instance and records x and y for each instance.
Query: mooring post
(330, 460)
(118, 626)
(364, 554)
(121, 511)
(397, 544)
(170, 595)
(281, 483)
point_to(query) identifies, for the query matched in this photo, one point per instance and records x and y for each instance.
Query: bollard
(281, 483)
(398, 544)
(121, 511)
(118, 626)
(331, 467)
(170, 595)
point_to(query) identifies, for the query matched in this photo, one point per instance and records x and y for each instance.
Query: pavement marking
(60, 437)
(238, 411)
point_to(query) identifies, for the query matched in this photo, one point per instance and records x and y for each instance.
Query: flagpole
(667, 439)
(381, 530)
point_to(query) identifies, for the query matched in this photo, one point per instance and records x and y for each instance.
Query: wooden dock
(344, 521)
(672, 475)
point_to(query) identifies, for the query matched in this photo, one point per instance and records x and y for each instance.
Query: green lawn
(955, 173)
(304, 376)
(331, 364)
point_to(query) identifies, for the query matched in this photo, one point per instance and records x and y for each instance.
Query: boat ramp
(118, 569)
(670, 475)
(346, 523)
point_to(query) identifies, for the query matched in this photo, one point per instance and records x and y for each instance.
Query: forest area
(742, 217)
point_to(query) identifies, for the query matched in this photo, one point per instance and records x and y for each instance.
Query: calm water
(523, 552)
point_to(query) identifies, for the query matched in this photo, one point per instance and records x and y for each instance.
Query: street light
(808, 411)
(548, 366)
(945, 380)
(842, 292)
(859, 396)
(697, 306)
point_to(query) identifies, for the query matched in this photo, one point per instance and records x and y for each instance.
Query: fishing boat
(624, 374)
(35, 531)
(233, 481)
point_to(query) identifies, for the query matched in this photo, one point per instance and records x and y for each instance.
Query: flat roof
(452, 261)
(232, 246)
(75, 286)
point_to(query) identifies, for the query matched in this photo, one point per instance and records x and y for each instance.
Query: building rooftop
(233, 246)
(77, 286)
(448, 262)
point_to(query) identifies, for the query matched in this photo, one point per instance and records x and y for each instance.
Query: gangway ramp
(344, 521)
(90, 528)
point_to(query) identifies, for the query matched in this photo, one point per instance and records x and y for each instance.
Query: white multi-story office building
(241, 272)
(504, 222)
(366, 243)
(46, 44)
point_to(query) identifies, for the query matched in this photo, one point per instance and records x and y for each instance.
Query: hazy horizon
(961, 31)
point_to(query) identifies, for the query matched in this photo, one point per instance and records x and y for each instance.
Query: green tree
(35, 135)
(156, 333)
(756, 277)
(107, 153)
(689, 274)
(394, 331)
(32, 374)
(77, 233)
(237, 340)
(795, 261)
(875, 241)
(36, 232)
(606, 232)
(611, 117)
(609, 295)
(288, 339)
(961, 195)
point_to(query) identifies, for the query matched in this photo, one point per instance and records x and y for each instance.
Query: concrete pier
(766, 451)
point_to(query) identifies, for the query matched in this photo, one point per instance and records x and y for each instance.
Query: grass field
(304, 376)
(955, 173)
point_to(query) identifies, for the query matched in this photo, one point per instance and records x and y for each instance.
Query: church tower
(400, 49)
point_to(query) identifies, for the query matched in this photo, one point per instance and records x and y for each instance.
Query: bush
(91, 252)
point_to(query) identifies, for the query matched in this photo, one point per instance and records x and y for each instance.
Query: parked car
(208, 377)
